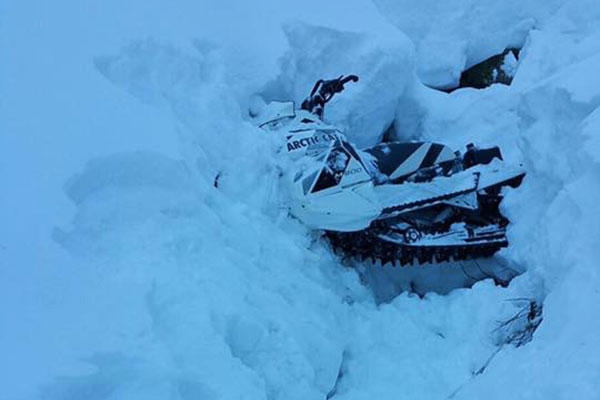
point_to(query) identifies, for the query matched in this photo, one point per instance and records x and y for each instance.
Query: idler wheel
(411, 235)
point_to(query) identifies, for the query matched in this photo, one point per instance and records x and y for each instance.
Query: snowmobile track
(362, 245)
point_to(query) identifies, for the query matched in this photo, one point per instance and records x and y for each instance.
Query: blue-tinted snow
(124, 274)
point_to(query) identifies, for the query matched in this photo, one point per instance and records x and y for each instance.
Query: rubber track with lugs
(366, 245)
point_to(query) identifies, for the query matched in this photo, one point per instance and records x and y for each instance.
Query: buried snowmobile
(398, 202)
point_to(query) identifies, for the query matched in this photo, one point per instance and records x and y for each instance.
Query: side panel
(339, 210)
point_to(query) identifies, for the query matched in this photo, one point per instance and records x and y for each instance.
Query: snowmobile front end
(334, 190)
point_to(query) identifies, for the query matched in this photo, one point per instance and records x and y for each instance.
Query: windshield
(334, 168)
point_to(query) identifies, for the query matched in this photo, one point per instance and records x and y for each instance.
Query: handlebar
(332, 86)
(349, 78)
(323, 91)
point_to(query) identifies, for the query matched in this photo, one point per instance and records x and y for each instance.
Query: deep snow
(126, 274)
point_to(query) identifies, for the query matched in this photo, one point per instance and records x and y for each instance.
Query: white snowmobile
(396, 201)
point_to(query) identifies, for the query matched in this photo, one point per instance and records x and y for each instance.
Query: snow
(383, 60)
(509, 64)
(451, 36)
(125, 273)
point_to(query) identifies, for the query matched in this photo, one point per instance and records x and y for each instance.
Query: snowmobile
(398, 202)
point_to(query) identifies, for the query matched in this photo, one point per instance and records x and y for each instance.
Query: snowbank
(548, 120)
(454, 35)
(382, 60)
(224, 299)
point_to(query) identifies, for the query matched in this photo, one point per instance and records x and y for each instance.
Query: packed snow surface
(145, 248)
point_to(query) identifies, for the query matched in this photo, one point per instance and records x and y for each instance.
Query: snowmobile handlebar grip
(332, 86)
(326, 90)
(349, 78)
(338, 84)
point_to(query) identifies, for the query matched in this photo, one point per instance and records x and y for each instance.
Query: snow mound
(218, 307)
(215, 138)
(384, 64)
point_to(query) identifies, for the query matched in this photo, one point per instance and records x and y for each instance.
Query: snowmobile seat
(398, 160)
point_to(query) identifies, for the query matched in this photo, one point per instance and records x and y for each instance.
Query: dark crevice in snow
(389, 135)
(487, 362)
(496, 69)
(479, 371)
(340, 375)
(499, 68)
